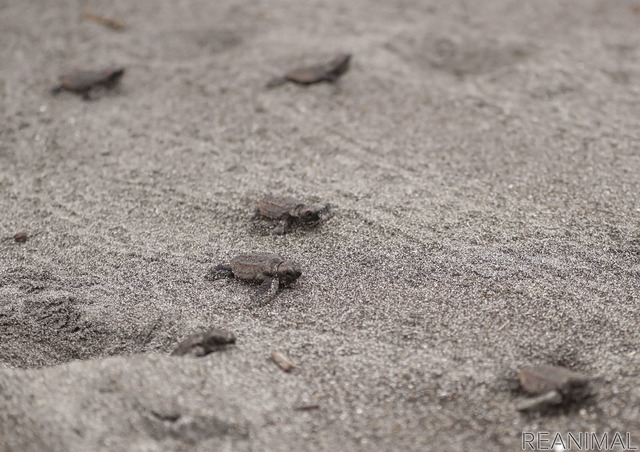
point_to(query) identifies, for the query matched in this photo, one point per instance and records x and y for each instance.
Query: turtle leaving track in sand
(289, 211)
(270, 270)
(89, 84)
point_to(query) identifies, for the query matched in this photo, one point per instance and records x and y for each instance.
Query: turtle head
(312, 214)
(338, 66)
(114, 76)
(288, 272)
(309, 214)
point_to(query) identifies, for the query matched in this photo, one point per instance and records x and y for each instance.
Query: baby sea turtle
(289, 211)
(202, 344)
(551, 385)
(328, 72)
(89, 84)
(20, 237)
(270, 270)
(108, 22)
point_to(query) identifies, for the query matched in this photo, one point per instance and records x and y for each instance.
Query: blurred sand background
(483, 159)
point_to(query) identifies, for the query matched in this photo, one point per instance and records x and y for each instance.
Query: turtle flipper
(57, 89)
(267, 289)
(324, 212)
(283, 226)
(541, 401)
(94, 93)
(219, 271)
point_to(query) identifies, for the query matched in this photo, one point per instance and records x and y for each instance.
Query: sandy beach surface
(482, 161)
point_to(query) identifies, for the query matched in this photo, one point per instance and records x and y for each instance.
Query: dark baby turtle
(202, 344)
(551, 385)
(289, 211)
(270, 270)
(328, 72)
(21, 237)
(89, 84)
